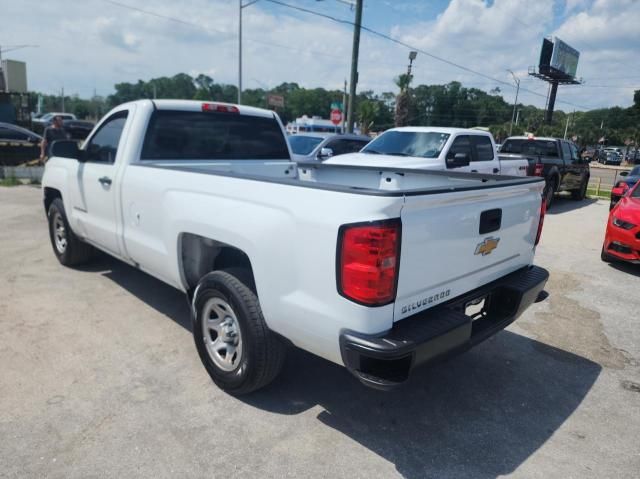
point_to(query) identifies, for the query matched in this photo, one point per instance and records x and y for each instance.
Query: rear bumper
(385, 361)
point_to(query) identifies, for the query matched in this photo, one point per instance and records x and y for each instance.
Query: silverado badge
(487, 246)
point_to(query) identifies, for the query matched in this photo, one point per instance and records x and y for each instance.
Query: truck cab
(434, 148)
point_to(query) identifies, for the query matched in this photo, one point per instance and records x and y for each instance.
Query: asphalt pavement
(100, 378)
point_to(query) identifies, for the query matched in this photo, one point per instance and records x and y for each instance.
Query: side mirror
(460, 159)
(325, 153)
(67, 149)
(624, 173)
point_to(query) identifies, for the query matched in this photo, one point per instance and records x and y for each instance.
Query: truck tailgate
(455, 242)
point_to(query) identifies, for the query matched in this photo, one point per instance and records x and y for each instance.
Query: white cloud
(97, 44)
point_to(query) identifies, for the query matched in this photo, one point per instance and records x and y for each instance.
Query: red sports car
(622, 239)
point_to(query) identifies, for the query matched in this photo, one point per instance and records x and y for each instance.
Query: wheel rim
(221, 334)
(59, 233)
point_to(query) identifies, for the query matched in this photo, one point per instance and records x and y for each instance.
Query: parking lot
(100, 378)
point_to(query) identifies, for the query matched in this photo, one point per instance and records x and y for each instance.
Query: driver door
(96, 183)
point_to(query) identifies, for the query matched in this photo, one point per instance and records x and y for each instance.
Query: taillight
(368, 262)
(543, 211)
(220, 108)
(538, 170)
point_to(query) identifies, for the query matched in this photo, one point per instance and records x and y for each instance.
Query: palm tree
(367, 113)
(403, 100)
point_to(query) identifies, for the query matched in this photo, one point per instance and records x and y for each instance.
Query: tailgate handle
(490, 220)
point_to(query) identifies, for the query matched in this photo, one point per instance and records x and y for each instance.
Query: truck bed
(368, 180)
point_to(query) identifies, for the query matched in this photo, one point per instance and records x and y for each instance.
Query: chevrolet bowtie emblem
(487, 246)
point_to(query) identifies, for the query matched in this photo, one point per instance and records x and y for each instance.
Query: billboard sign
(15, 76)
(564, 58)
(275, 100)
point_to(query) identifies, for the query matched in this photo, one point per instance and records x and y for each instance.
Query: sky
(89, 45)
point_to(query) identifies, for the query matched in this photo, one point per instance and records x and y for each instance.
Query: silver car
(321, 146)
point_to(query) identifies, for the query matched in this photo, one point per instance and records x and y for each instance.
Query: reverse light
(220, 108)
(625, 225)
(543, 212)
(368, 262)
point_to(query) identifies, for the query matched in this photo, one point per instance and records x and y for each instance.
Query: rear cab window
(194, 135)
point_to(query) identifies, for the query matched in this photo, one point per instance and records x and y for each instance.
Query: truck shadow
(479, 415)
(563, 204)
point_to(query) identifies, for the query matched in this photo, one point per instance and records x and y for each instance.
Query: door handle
(496, 171)
(474, 171)
(105, 180)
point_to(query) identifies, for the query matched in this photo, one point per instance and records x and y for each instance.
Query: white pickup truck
(377, 269)
(434, 148)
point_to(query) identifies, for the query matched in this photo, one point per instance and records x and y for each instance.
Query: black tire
(549, 192)
(607, 258)
(262, 351)
(580, 194)
(68, 248)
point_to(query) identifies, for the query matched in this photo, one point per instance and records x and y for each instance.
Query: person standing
(52, 133)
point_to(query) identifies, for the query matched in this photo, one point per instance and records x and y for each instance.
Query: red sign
(336, 117)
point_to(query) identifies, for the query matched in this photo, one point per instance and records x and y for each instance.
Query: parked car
(556, 160)
(18, 145)
(322, 146)
(371, 268)
(589, 154)
(78, 129)
(434, 148)
(629, 179)
(622, 238)
(612, 158)
(39, 124)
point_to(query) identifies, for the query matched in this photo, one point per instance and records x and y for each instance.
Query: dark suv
(557, 160)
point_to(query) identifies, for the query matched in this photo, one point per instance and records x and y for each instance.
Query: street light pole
(354, 66)
(515, 103)
(240, 7)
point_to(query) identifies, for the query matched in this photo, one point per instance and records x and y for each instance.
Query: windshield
(635, 171)
(530, 147)
(304, 145)
(636, 192)
(408, 143)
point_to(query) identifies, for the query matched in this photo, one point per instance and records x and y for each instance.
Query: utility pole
(63, 100)
(354, 66)
(518, 116)
(344, 105)
(515, 103)
(566, 127)
(239, 52)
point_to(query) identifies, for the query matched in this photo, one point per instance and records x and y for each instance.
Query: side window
(566, 152)
(339, 147)
(356, 145)
(484, 148)
(103, 146)
(461, 144)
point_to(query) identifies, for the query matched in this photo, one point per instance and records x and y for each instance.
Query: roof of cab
(438, 129)
(195, 105)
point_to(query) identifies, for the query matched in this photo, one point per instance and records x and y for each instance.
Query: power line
(414, 48)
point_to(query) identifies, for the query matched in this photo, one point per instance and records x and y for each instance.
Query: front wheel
(235, 345)
(68, 248)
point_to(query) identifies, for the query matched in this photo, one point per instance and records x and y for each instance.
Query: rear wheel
(68, 248)
(235, 345)
(581, 193)
(549, 191)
